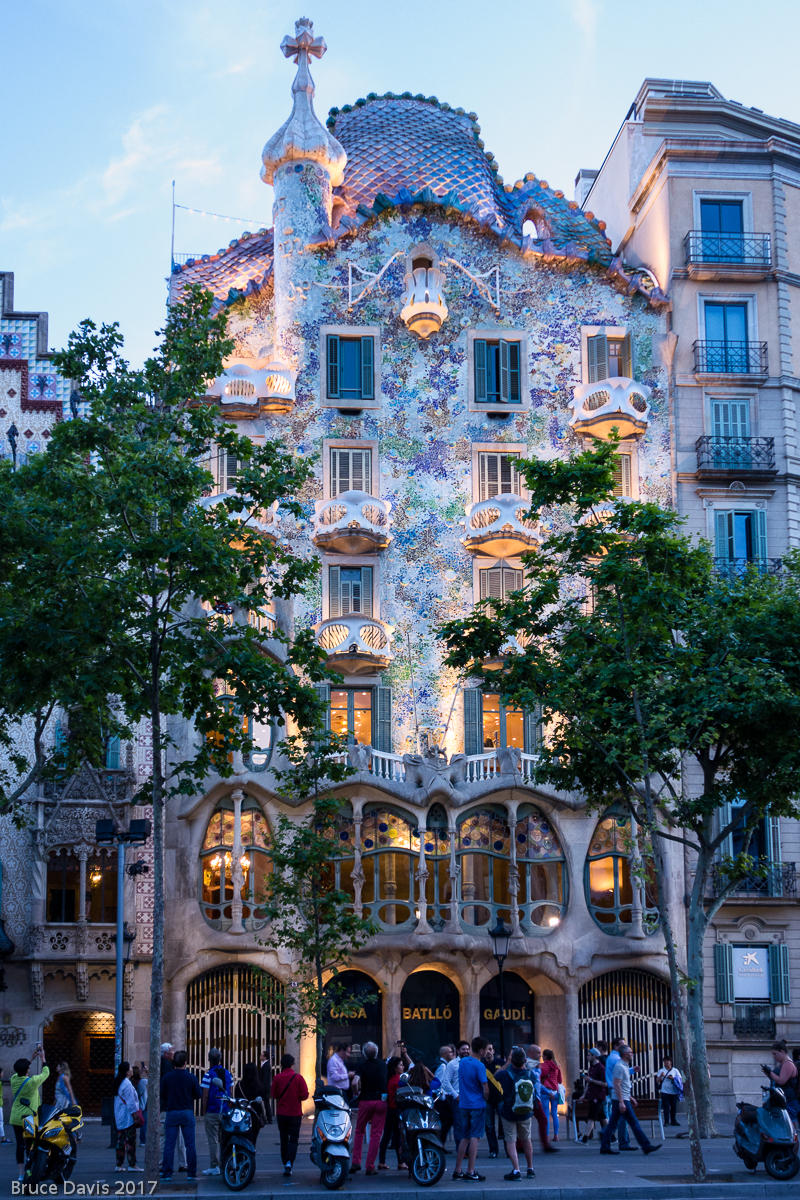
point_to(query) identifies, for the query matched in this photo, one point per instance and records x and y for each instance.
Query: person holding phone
(25, 1098)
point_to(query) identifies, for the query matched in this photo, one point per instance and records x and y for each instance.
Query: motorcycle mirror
(404, 1079)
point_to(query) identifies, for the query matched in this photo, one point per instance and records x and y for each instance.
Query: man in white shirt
(447, 1054)
(670, 1081)
(623, 1106)
(337, 1072)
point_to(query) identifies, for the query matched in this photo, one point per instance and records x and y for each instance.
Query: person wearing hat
(595, 1094)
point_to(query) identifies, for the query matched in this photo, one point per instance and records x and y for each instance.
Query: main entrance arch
(85, 1040)
(430, 1014)
(239, 1009)
(356, 1011)
(636, 1006)
(517, 1011)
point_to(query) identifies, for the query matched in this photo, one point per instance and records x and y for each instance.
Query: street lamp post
(501, 936)
(136, 834)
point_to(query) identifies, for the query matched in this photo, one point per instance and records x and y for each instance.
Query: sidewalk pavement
(568, 1175)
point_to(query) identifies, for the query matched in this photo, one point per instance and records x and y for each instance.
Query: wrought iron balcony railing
(730, 358)
(734, 249)
(753, 455)
(754, 1020)
(733, 567)
(777, 879)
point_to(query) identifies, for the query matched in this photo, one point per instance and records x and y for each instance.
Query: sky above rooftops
(107, 101)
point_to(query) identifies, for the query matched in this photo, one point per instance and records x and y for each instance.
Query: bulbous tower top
(303, 137)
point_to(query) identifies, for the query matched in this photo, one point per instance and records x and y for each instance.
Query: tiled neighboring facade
(706, 193)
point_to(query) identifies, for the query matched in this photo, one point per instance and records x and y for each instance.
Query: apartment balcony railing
(754, 1020)
(733, 567)
(727, 249)
(478, 767)
(352, 523)
(778, 879)
(499, 527)
(355, 644)
(730, 358)
(735, 455)
(486, 766)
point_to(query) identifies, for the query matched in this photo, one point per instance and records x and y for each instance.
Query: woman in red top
(550, 1077)
(391, 1130)
(288, 1090)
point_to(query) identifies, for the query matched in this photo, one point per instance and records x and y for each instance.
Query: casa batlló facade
(417, 325)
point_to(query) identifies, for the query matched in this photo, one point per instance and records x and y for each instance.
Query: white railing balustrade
(616, 403)
(352, 517)
(355, 636)
(501, 525)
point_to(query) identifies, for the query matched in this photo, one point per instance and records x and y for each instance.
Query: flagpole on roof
(172, 242)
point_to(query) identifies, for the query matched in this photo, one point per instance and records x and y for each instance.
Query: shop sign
(750, 972)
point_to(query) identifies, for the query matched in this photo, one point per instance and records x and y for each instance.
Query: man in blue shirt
(216, 1084)
(473, 1091)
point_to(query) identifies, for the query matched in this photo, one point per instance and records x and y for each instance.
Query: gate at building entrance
(430, 1015)
(85, 1040)
(517, 1011)
(632, 1005)
(239, 1009)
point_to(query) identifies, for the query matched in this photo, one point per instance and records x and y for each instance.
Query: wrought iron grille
(733, 567)
(776, 879)
(754, 1020)
(238, 1008)
(634, 1005)
(739, 249)
(754, 454)
(730, 358)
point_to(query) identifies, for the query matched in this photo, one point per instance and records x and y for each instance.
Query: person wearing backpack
(25, 1098)
(670, 1083)
(516, 1110)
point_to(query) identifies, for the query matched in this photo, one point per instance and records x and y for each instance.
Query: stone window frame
(496, 333)
(350, 331)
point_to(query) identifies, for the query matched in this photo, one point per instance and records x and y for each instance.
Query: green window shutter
(480, 371)
(772, 826)
(112, 754)
(760, 535)
(725, 816)
(597, 357)
(510, 392)
(382, 719)
(723, 535)
(779, 989)
(625, 358)
(473, 721)
(334, 591)
(366, 591)
(723, 972)
(332, 342)
(532, 729)
(323, 691)
(367, 368)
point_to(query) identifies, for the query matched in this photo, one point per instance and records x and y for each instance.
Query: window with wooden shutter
(510, 392)
(497, 372)
(481, 382)
(228, 468)
(351, 470)
(497, 583)
(382, 719)
(740, 537)
(730, 418)
(350, 591)
(597, 357)
(332, 345)
(350, 367)
(608, 356)
(473, 721)
(367, 368)
(113, 754)
(623, 475)
(723, 973)
(779, 986)
(497, 474)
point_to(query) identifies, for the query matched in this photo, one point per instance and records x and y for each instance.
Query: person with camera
(25, 1098)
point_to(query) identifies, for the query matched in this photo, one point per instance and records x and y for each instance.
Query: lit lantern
(424, 310)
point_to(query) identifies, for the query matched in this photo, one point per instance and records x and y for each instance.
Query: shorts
(469, 1122)
(516, 1130)
(597, 1110)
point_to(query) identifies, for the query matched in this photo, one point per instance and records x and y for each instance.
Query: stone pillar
(571, 1064)
(237, 873)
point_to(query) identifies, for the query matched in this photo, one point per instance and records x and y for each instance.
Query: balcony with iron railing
(352, 523)
(500, 527)
(733, 568)
(727, 255)
(730, 358)
(754, 1021)
(723, 455)
(775, 880)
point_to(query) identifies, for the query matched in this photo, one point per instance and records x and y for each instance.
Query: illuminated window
(389, 862)
(542, 872)
(64, 886)
(439, 884)
(612, 892)
(216, 864)
(351, 714)
(484, 850)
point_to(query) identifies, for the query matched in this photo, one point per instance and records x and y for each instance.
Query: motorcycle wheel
(239, 1169)
(428, 1165)
(334, 1173)
(782, 1162)
(37, 1170)
(67, 1167)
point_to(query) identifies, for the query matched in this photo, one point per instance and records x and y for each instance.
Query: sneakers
(531, 1174)
(515, 1175)
(457, 1175)
(212, 1171)
(287, 1170)
(608, 1150)
(472, 1177)
(652, 1149)
(135, 1168)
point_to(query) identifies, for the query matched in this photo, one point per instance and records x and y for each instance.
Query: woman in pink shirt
(550, 1077)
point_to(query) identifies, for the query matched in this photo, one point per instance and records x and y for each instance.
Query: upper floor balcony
(352, 523)
(730, 358)
(248, 388)
(733, 567)
(500, 527)
(608, 404)
(355, 644)
(727, 255)
(775, 880)
(724, 455)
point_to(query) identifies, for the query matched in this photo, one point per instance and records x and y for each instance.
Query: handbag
(562, 1094)
(138, 1118)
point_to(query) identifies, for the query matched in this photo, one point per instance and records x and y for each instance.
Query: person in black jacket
(265, 1079)
(179, 1090)
(371, 1107)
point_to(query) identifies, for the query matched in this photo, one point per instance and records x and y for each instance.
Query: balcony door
(351, 470)
(740, 538)
(497, 475)
(730, 431)
(726, 337)
(350, 591)
(722, 226)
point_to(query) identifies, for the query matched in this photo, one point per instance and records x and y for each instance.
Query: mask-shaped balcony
(251, 387)
(352, 523)
(615, 403)
(500, 528)
(424, 310)
(355, 645)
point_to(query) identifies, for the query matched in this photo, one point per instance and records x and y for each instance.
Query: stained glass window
(484, 848)
(216, 864)
(613, 894)
(542, 871)
(389, 858)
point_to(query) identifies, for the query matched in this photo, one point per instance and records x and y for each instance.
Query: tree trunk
(153, 1142)
(701, 1076)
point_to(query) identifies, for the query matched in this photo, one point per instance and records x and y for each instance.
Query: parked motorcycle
(51, 1142)
(767, 1135)
(239, 1128)
(420, 1133)
(331, 1136)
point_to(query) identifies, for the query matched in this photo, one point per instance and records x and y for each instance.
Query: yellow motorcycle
(51, 1142)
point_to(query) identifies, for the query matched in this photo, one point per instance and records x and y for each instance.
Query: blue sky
(106, 101)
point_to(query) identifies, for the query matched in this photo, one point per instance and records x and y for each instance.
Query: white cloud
(585, 14)
(143, 147)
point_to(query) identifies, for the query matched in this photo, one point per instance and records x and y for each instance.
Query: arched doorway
(239, 1009)
(518, 1011)
(85, 1040)
(634, 1005)
(356, 1010)
(430, 1014)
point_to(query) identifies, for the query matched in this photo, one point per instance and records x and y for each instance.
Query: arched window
(438, 886)
(484, 850)
(389, 857)
(65, 904)
(340, 831)
(216, 864)
(616, 898)
(542, 872)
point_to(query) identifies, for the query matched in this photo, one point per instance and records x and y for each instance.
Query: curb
(760, 1189)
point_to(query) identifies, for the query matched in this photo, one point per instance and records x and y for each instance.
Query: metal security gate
(633, 1005)
(239, 1009)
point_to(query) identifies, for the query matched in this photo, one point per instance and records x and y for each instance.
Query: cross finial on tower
(303, 42)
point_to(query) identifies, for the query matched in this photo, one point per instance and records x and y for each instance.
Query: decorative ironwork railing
(754, 1020)
(721, 453)
(775, 879)
(736, 249)
(730, 358)
(731, 567)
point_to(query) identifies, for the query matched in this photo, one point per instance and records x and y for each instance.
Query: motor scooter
(767, 1134)
(421, 1134)
(331, 1136)
(240, 1123)
(51, 1142)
